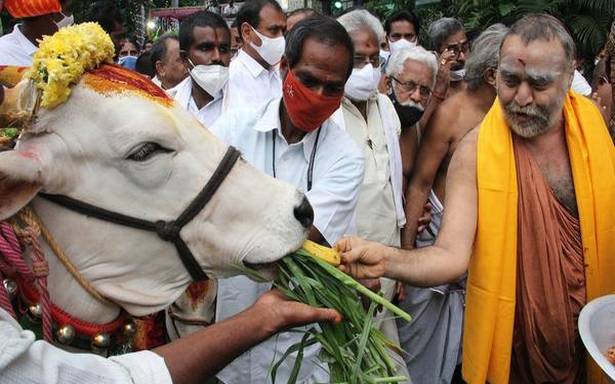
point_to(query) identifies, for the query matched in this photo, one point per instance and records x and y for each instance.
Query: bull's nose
(304, 213)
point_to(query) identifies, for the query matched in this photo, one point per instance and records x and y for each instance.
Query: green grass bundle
(355, 351)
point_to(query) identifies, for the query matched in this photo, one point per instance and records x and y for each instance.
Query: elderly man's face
(171, 68)
(413, 85)
(532, 81)
(366, 48)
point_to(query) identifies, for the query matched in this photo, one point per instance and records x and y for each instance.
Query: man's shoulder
(237, 125)
(446, 114)
(11, 53)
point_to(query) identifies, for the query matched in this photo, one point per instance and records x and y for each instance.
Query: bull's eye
(146, 151)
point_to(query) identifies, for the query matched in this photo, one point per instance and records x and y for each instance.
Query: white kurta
(250, 85)
(338, 173)
(376, 214)
(16, 49)
(182, 93)
(24, 360)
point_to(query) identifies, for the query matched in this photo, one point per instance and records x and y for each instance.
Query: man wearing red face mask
(293, 139)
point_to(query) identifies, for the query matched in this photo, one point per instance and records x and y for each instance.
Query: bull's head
(121, 144)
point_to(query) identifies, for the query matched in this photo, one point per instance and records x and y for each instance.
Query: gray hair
(395, 66)
(442, 29)
(485, 55)
(359, 19)
(541, 26)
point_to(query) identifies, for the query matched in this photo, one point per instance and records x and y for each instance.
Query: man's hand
(400, 292)
(361, 258)
(424, 220)
(197, 357)
(284, 313)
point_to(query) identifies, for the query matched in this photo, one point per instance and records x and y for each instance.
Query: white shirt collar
(23, 41)
(253, 66)
(183, 95)
(270, 120)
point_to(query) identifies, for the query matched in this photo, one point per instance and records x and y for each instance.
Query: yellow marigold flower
(63, 57)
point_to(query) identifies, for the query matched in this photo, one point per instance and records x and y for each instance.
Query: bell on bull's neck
(101, 341)
(11, 288)
(65, 334)
(35, 310)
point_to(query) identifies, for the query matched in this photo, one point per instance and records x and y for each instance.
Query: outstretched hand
(362, 259)
(286, 313)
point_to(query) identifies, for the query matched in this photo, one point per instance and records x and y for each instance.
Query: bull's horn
(10, 75)
(18, 106)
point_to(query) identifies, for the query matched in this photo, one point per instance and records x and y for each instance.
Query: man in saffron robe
(531, 196)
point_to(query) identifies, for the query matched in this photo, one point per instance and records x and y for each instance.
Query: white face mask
(384, 54)
(362, 83)
(395, 46)
(66, 21)
(458, 74)
(271, 49)
(211, 78)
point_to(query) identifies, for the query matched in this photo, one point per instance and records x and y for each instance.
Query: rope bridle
(167, 230)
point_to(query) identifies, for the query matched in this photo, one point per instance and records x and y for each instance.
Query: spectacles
(360, 61)
(411, 86)
(458, 48)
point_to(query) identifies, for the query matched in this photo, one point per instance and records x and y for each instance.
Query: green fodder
(355, 351)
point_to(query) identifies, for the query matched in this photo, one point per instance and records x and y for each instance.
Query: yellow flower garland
(63, 57)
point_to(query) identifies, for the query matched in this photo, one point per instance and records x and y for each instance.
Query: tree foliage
(587, 20)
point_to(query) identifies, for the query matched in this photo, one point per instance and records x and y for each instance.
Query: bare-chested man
(434, 337)
(530, 201)
(453, 119)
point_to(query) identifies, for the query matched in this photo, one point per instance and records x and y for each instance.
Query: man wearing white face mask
(370, 119)
(402, 31)
(205, 48)
(38, 18)
(254, 75)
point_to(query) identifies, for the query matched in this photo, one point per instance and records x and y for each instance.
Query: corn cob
(326, 254)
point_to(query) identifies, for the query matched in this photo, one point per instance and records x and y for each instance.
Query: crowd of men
(491, 157)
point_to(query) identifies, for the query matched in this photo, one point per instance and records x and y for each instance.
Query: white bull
(119, 144)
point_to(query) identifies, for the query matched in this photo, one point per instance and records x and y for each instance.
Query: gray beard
(538, 122)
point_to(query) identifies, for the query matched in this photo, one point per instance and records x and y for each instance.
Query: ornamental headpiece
(64, 57)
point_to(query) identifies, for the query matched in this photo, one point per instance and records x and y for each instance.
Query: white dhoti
(432, 339)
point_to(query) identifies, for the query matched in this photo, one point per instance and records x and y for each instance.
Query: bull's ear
(20, 181)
